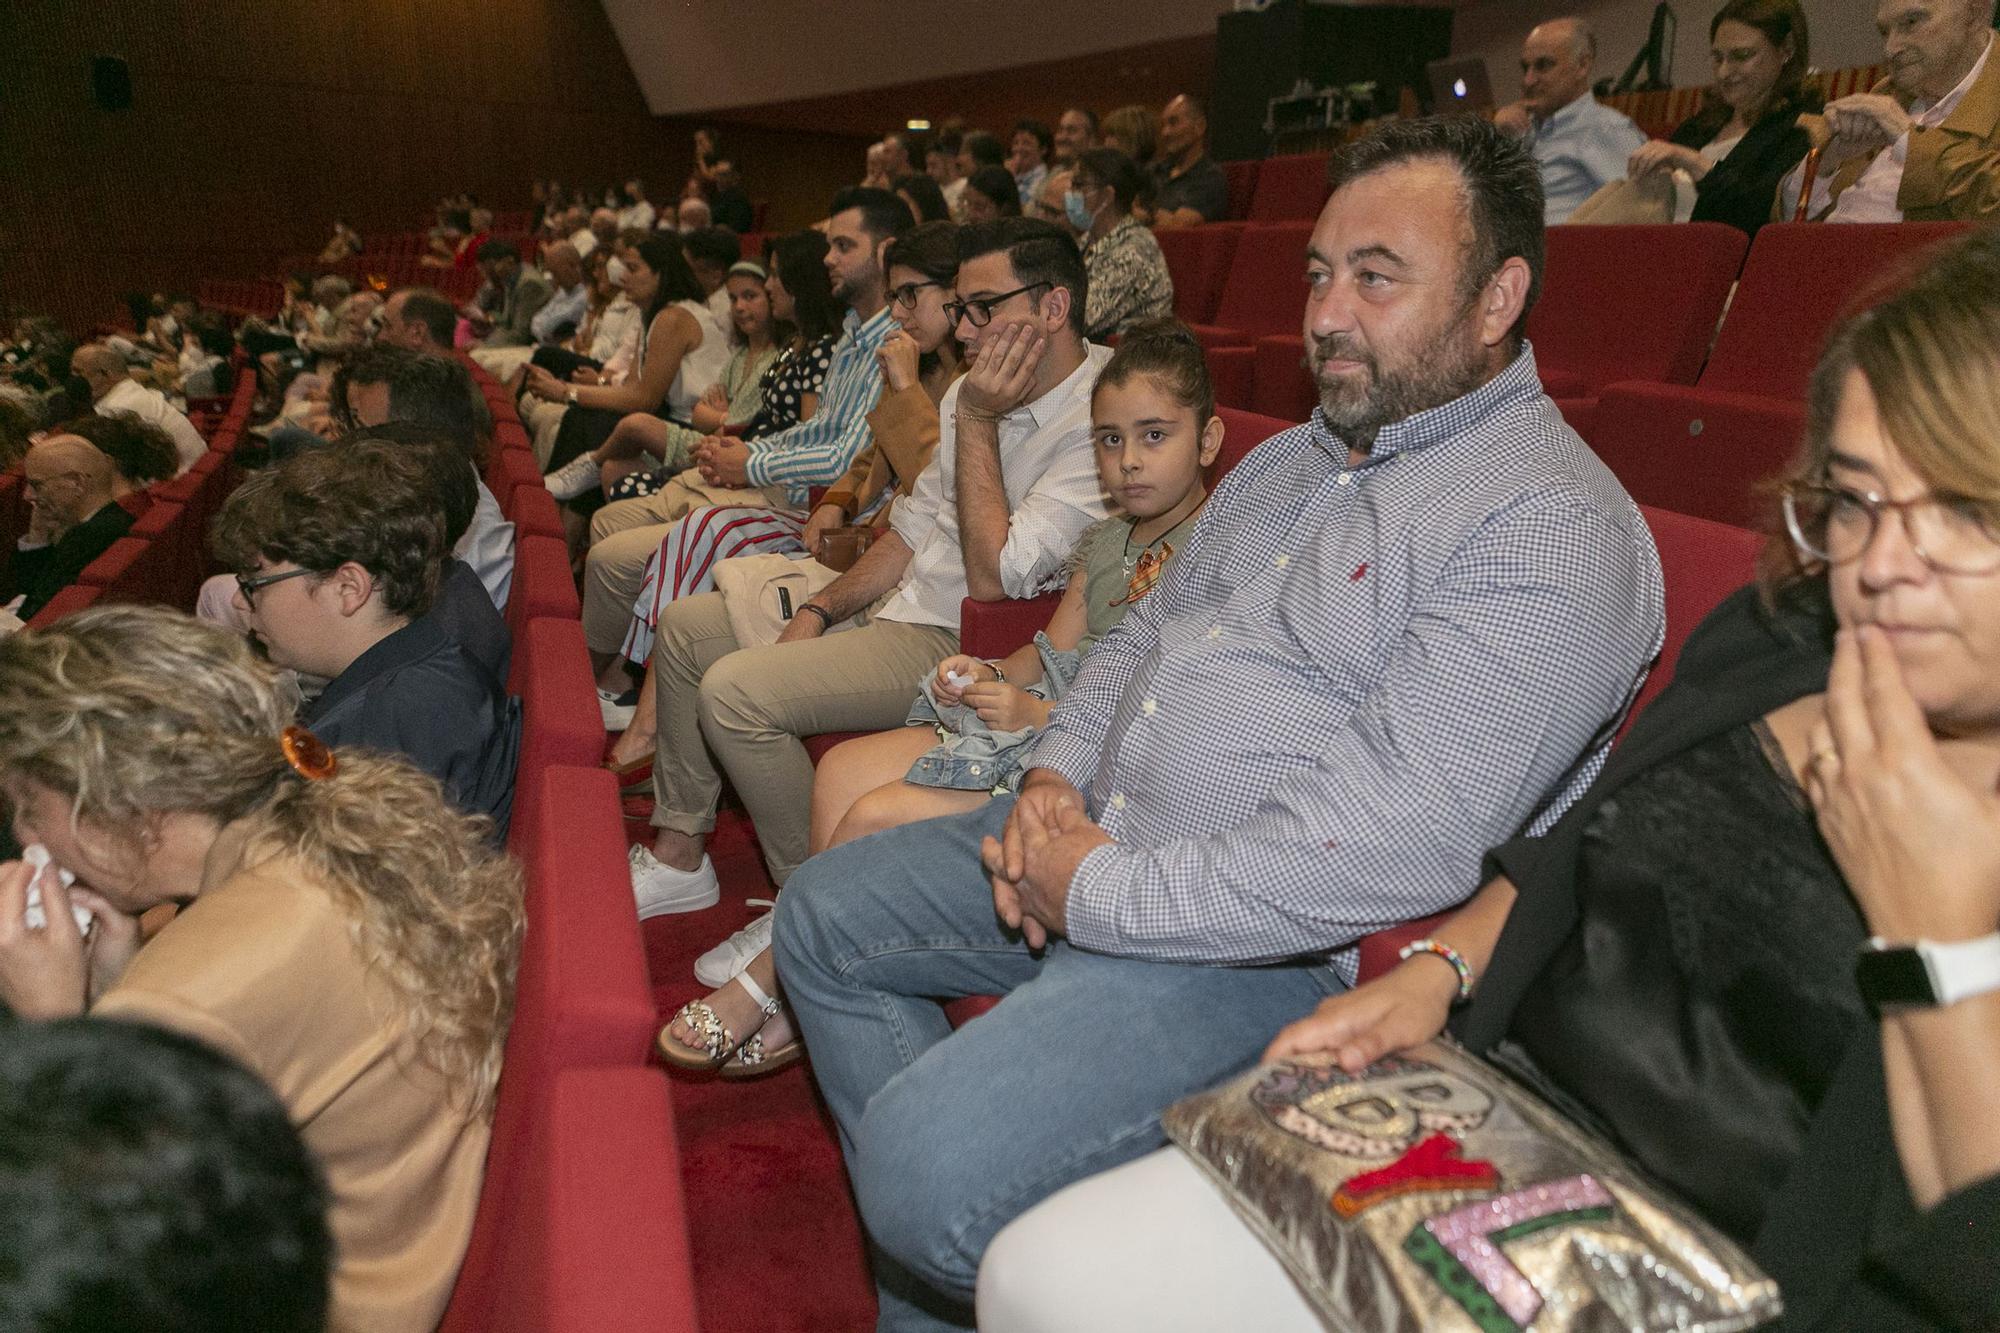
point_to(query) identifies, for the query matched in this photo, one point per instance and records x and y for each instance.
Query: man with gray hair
(1924, 144)
(113, 390)
(1580, 144)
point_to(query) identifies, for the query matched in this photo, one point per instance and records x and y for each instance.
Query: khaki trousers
(625, 535)
(751, 705)
(542, 419)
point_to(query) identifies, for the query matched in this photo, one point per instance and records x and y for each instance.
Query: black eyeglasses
(906, 295)
(250, 586)
(979, 310)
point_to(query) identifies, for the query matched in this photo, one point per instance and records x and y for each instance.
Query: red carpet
(777, 1247)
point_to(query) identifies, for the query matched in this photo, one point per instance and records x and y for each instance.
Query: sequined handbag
(1432, 1192)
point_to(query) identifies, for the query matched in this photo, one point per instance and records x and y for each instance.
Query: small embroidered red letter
(1360, 571)
(1434, 1164)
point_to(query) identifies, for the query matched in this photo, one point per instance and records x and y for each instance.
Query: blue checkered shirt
(1353, 681)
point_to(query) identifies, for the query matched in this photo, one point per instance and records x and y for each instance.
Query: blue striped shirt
(1353, 681)
(819, 450)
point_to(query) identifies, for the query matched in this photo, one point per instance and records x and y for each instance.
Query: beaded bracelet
(1450, 955)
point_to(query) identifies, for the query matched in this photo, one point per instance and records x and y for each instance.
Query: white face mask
(615, 270)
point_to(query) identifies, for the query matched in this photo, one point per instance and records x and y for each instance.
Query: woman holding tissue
(342, 931)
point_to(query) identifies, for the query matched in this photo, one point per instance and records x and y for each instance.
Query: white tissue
(37, 856)
(957, 681)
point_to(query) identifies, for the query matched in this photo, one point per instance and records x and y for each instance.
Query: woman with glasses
(919, 361)
(1760, 955)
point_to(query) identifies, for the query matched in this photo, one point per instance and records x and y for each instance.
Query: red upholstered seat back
(1702, 563)
(599, 1238)
(1799, 280)
(1242, 178)
(1632, 303)
(561, 722)
(1290, 188)
(1266, 290)
(1198, 258)
(1695, 451)
(542, 583)
(582, 1000)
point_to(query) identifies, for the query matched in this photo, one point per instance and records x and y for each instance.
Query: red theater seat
(1701, 563)
(533, 511)
(1695, 451)
(1280, 383)
(1232, 372)
(582, 1001)
(599, 1240)
(543, 585)
(74, 598)
(1198, 258)
(1631, 303)
(1266, 290)
(561, 722)
(1242, 177)
(1799, 280)
(123, 572)
(1290, 188)
(508, 468)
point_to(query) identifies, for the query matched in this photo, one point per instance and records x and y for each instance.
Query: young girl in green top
(1155, 432)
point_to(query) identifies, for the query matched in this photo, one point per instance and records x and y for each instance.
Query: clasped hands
(1031, 864)
(1863, 123)
(723, 460)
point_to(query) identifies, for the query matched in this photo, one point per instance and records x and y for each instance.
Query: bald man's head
(69, 477)
(1556, 63)
(99, 367)
(564, 264)
(604, 225)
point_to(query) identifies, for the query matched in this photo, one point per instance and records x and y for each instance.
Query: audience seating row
(581, 1223)
(1630, 335)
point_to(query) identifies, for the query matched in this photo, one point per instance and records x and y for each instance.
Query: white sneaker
(617, 716)
(659, 888)
(574, 478)
(719, 966)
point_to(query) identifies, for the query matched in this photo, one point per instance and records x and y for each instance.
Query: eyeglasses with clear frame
(1951, 534)
(978, 310)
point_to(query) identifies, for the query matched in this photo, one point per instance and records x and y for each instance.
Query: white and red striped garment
(685, 563)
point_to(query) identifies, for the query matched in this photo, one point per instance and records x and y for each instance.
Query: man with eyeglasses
(1010, 487)
(342, 574)
(785, 465)
(75, 517)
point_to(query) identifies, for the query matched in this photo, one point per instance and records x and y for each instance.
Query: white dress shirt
(1049, 469)
(639, 215)
(585, 240)
(151, 406)
(488, 546)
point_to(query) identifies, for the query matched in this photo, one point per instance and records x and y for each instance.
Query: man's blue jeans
(949, 1136)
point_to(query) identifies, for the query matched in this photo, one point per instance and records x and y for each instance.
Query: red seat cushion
(1702, 562)
(72, 599)
(1695, 451)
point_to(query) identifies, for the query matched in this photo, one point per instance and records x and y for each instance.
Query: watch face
(1893, 976)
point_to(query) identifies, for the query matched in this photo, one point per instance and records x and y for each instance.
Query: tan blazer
(264, 967)
(1952, 172)
(905, 428)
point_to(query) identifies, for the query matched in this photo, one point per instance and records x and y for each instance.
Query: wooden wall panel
(254, 124)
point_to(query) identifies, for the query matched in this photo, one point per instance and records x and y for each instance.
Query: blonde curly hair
(133, 711)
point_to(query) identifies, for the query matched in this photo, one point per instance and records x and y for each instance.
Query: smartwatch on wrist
(1926, 972)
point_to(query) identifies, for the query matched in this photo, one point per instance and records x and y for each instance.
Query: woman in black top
(1750, 115)
(1674, 963)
